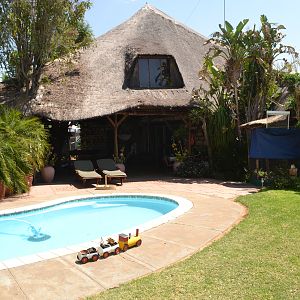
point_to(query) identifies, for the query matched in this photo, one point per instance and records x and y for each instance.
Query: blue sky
(203, 16)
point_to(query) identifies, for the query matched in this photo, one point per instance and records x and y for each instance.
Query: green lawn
(258, 259)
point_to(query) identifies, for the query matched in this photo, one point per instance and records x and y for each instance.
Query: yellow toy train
(127, 241)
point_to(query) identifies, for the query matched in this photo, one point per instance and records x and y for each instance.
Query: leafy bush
(23, 146)
(193, 167)
(281, 180)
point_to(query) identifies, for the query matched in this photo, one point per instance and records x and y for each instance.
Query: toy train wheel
(95, 257)
(139, 243)
(125, 248)
(105, 255)
(117, 251)
(84, 260)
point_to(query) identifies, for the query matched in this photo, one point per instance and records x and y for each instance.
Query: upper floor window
(155, 72)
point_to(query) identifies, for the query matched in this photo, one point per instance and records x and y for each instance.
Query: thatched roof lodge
(98, 82)
(147, 66)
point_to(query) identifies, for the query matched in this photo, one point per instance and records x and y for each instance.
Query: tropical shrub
(279, 179)
(193, 167)
(23, 146)
(239, 82)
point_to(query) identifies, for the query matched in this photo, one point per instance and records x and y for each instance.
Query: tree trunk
(209, 152)
(238, 122)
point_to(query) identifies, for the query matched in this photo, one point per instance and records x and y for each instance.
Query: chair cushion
(116, 173)
(88, 174)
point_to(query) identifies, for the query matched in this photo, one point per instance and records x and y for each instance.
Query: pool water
(75, 222)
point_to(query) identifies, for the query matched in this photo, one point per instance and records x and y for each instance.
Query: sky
(204, 16)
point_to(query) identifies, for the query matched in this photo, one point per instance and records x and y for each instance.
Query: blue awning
(275, 143)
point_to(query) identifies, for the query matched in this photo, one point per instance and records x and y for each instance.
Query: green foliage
(280, 179)
(290, 80)
(290, 103)
(23, 145)
(193, 167)
(240, 91)
(179, 151)
(230, 162)
(36, 32)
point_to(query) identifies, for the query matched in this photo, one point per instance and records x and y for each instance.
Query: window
(155, 72)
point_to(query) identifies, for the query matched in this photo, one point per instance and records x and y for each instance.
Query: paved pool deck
(213, 214)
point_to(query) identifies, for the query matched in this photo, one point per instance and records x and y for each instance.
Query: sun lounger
(109, 169)
(85, 170)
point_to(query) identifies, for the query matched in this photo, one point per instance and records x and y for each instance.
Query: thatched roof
(93, 84)
(263, 122)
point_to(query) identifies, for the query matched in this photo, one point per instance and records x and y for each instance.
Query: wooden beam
(122, 120)
(111, 121)
(179, 114)
(185, 121)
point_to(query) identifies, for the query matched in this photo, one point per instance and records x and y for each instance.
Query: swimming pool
(71, 221)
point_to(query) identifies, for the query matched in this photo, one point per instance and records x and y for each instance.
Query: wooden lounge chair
(85, 170)
(109, 169)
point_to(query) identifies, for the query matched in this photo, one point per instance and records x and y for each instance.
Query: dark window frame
(135, 68)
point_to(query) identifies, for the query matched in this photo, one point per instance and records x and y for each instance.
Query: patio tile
(112, 271)
(54, 279)
(210, 218)
(183, 234)
(9, 289)
(158, 253)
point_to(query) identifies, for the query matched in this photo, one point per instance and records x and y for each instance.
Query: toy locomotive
(125, 242)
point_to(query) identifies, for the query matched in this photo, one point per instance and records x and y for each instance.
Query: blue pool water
(74, 222)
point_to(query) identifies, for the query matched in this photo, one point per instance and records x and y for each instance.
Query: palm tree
(23, 145)
(229, 45)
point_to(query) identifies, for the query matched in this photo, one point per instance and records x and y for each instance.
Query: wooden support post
(257, 166)
(187, 125)
(189, 137)
(248, 149)
(116, 142)
(116, 137)
(115, 124)
(267, 165)
(207, 142)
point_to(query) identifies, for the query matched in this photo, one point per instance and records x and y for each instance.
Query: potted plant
(262, 176)
(23, 144)
(120, 160)
(48, 171)
(180, 154)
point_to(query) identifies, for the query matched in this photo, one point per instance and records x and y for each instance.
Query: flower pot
(48, 173)
(8, 192)
(2, 190)
(293, 171)
(121, 167)
(176, 164)
(29, 179)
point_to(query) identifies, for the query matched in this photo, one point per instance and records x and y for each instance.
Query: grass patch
(258, 259)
